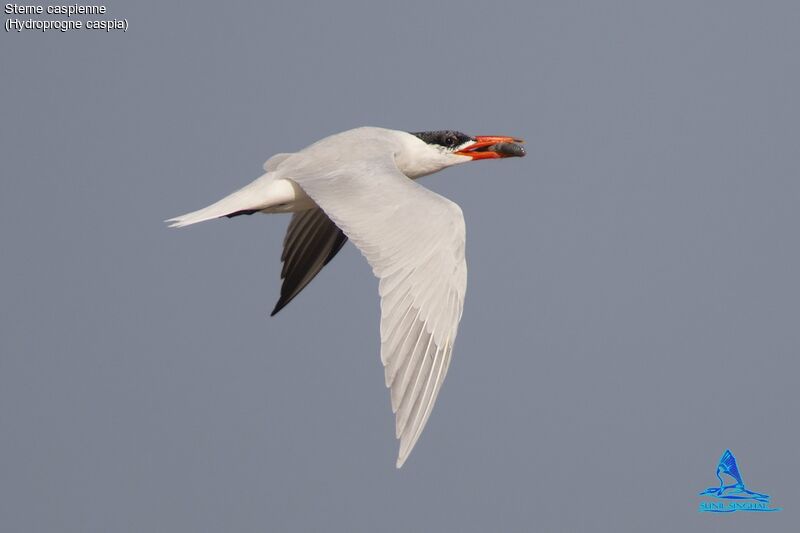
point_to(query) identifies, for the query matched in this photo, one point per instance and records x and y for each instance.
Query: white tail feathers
(241, 200)
(265, 193)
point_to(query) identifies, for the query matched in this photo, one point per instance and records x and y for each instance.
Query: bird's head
(441, 149)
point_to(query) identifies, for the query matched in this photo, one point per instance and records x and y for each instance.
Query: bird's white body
(356, 185)
(275, 192)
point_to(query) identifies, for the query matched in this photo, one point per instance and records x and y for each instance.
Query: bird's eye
(450, 141)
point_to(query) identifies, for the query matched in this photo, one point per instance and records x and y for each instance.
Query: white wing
(414, 240)
(274, 162)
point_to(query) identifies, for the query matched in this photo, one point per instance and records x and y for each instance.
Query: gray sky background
(633, 284)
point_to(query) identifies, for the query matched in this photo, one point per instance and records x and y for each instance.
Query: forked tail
(262, 194)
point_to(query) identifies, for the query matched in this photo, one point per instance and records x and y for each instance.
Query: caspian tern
(359, 184)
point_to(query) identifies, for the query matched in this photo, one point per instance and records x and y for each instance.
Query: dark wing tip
(282, 302)
(312, 240)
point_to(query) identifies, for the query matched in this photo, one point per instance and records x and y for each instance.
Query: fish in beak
(493, 147)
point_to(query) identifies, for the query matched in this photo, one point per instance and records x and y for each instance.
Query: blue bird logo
(735, 491)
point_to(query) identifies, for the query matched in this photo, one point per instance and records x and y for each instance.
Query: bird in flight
(359, 185)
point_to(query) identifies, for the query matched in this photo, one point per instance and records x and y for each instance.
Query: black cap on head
(446, 138)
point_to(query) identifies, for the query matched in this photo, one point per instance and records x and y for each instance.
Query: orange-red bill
(493, 147)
